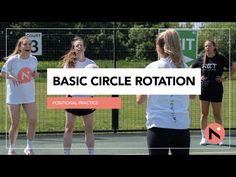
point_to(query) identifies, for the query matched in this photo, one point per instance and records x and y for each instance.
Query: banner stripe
(83, 103)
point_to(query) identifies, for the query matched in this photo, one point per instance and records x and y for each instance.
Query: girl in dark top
(212, 65)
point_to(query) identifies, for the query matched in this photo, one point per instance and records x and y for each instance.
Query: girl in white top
(23, 90)
(167, 115)
(174, 108)
(20, 70)
(75, 58)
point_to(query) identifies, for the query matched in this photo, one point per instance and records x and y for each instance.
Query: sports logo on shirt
(209, 67)
(25, 75)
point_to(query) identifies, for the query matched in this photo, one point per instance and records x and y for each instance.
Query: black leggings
(160, 140)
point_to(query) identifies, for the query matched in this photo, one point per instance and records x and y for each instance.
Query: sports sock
(67, 151)
(203, 133)
(12, 146)
(90, 151)
(29, 144)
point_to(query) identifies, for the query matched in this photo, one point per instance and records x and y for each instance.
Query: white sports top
(167, 111)
(83, 64)
(24, 92)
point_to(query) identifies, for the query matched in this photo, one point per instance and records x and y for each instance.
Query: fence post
(115, 118)
(115, 112)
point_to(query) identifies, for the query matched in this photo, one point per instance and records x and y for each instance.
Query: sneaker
(28, 151)
(203, 142)
(220, 143)
(11, 152)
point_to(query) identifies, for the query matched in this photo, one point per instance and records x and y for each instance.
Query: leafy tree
(223, 33)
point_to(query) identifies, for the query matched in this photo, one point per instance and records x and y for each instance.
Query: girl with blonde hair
(167, 115)
(20, 71)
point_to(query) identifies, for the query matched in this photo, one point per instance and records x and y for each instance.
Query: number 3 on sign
(35, 47)
(36, 39)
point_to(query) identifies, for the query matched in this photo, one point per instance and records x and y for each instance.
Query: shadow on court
(114, 144)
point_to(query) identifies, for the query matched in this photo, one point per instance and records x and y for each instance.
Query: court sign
(189, 43)
(36, 39)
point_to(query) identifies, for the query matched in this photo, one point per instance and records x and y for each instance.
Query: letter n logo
(214, 133)
(25, 75)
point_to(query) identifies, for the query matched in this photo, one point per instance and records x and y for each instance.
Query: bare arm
(141, 98)
(8, 76)
(35, 74)
(232, 70)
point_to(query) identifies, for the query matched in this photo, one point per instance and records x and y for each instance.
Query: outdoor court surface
(114, 144)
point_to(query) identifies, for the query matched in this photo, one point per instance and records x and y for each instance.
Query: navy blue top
(214, 66)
